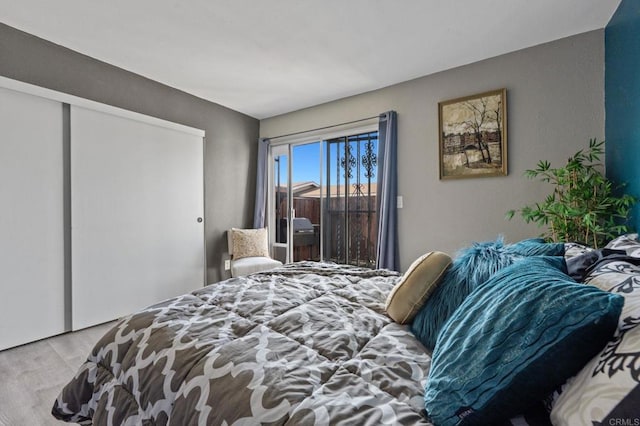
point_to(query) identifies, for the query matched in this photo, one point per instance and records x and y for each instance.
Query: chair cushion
(416, 285)
(251, 265)
(249, 243)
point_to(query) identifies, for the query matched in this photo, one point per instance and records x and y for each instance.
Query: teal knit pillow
(472, 267)
(512, 341)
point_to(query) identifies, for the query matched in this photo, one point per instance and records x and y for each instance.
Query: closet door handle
(199, 220)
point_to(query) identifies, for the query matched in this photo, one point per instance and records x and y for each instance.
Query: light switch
(400, 202)
(227, 265)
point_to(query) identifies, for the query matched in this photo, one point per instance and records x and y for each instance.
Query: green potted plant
(583, 206)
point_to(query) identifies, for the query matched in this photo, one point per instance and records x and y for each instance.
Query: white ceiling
(268, 57)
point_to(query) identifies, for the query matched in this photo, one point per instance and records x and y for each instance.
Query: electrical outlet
(227, 265)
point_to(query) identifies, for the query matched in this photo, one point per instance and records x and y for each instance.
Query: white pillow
(607, 390)
(628, 242)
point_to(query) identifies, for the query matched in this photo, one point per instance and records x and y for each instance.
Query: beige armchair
(249, 251)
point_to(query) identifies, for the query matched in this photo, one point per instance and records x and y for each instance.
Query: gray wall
(230, 150)
(555, 99)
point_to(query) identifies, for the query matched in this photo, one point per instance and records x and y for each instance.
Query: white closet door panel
(137, 194)
(31, 222)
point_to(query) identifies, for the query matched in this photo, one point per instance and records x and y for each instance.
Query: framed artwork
(473, 136)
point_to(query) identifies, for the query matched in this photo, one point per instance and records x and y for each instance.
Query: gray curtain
(261, 185)
(388, 255)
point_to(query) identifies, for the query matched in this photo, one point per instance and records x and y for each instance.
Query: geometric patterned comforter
(307, 343)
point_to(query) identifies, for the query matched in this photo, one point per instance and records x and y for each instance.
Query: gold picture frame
(473, 135)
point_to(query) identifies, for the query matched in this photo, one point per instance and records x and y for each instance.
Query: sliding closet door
(31, 222)
(137, 209)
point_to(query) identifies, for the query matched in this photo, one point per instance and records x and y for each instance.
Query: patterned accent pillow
(416, 285)
(250, 243)
(607, 390)
(628, 243)
(470, 269)
(514, 340)
(575, 249)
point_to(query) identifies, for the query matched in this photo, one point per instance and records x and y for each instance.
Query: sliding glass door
(297, 207)
(323, 203)
(306, 223)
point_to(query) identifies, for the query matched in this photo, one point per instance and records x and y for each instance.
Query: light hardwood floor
(32, 375)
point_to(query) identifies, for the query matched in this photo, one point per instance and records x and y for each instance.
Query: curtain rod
(323, 128)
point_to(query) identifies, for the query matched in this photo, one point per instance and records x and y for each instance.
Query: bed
(303, 344)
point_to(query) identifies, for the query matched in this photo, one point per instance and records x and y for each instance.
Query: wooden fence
(349, 234)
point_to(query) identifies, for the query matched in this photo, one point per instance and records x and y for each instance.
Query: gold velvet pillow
(250, 243)
(416, 285)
